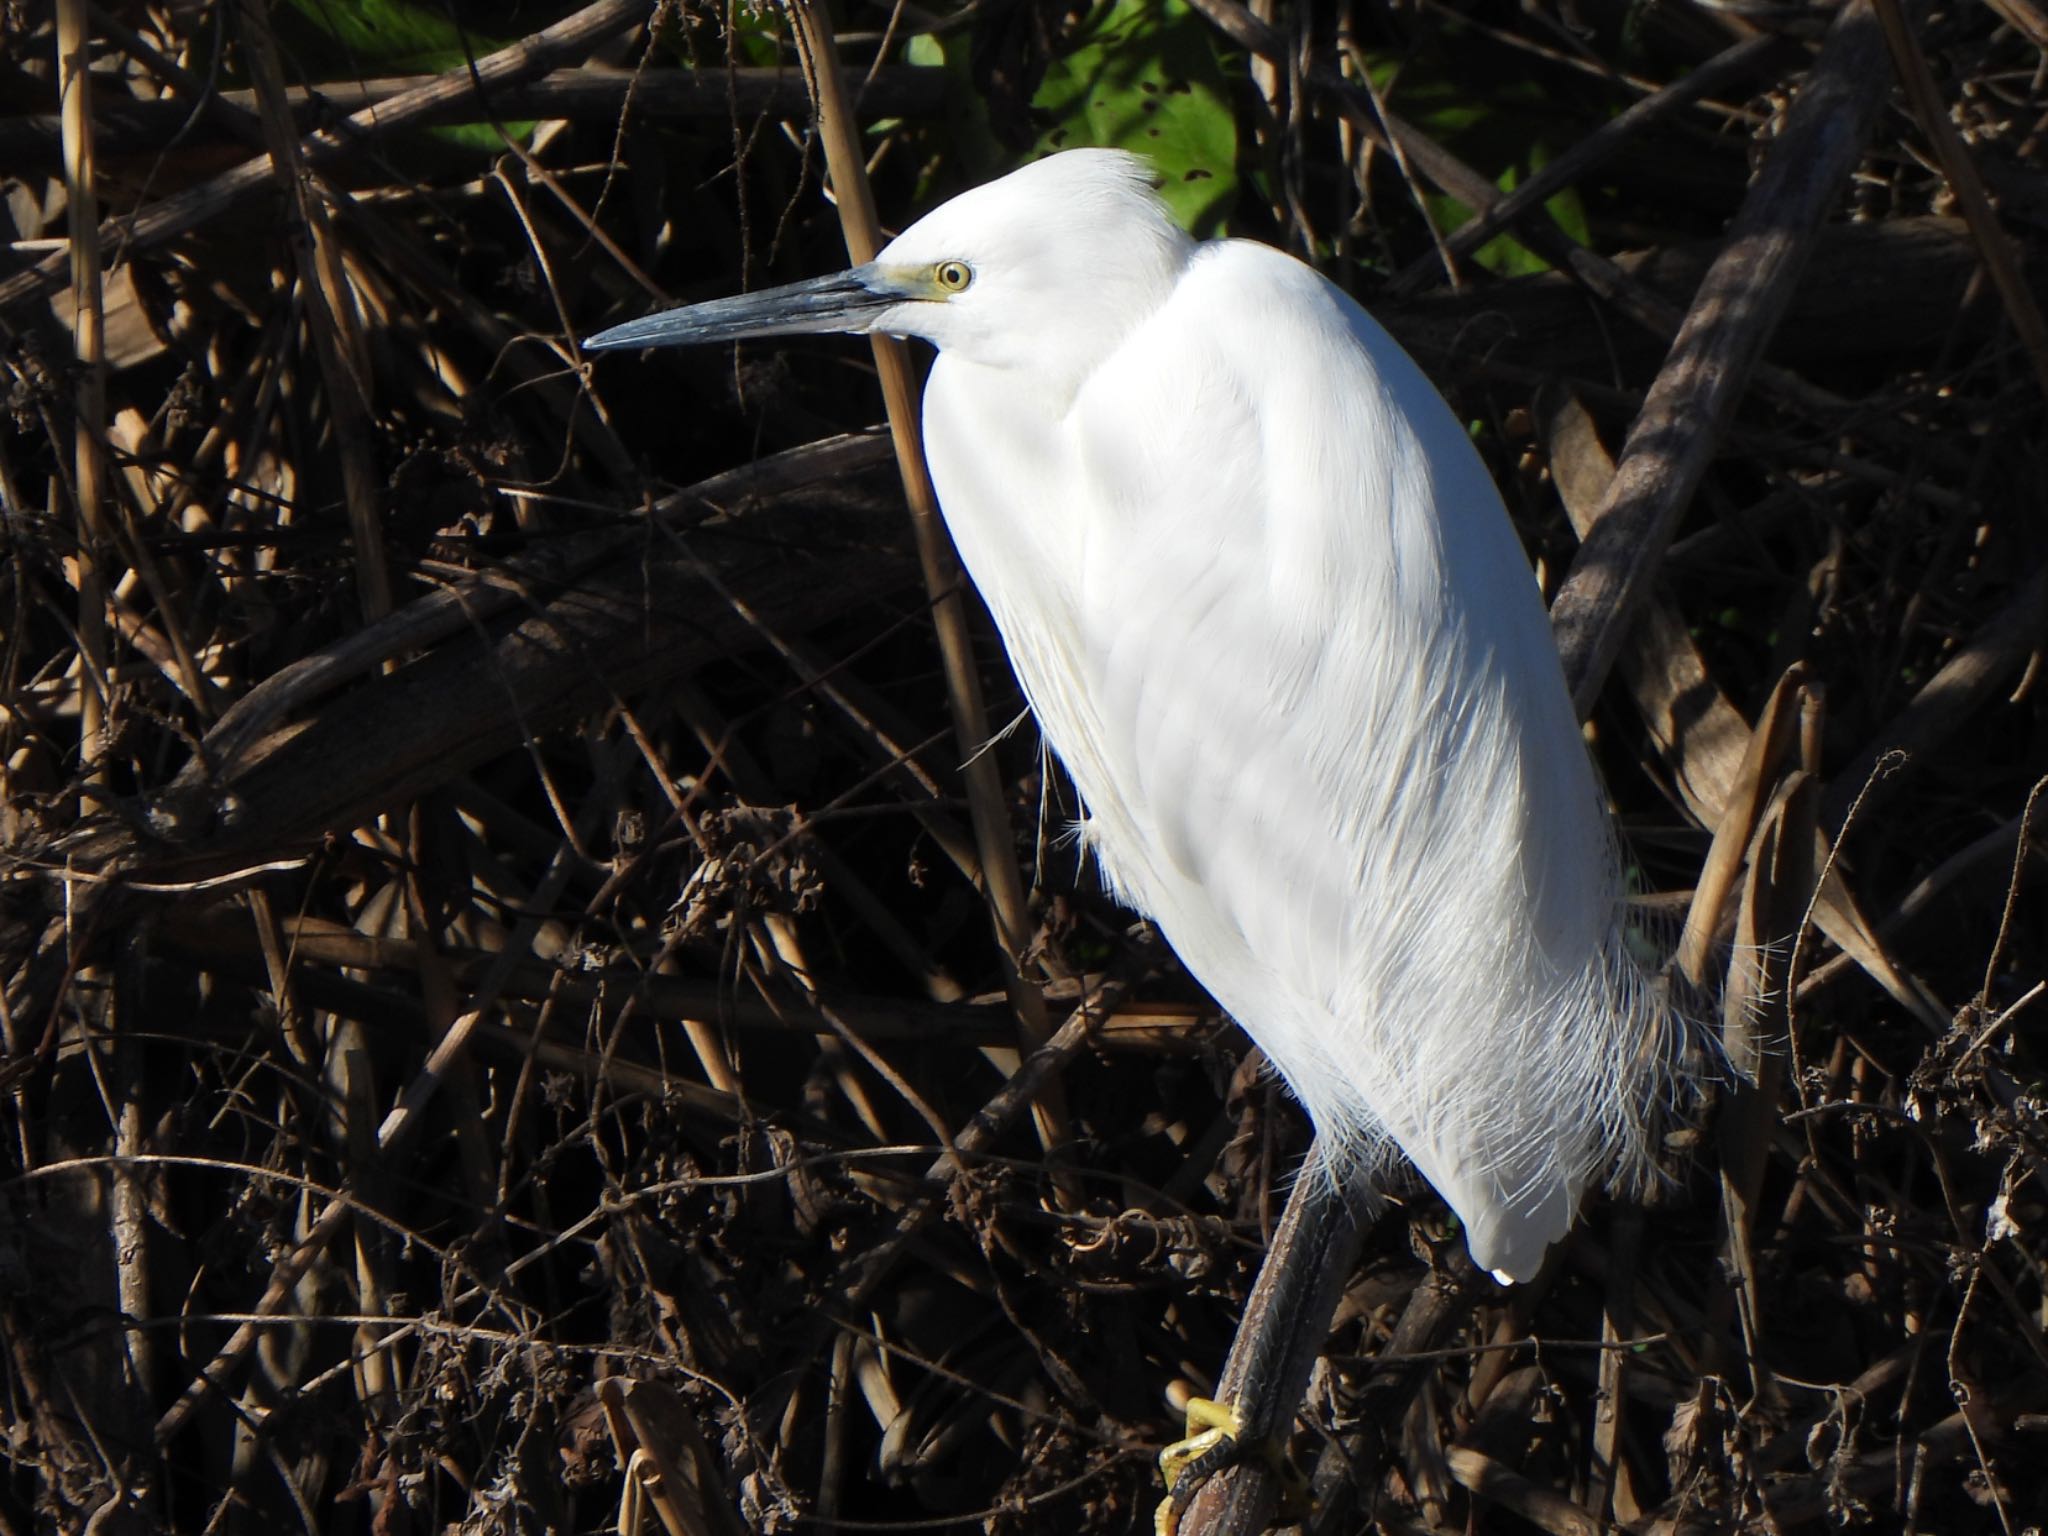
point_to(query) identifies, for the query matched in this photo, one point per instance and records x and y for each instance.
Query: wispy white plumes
(1270, 613)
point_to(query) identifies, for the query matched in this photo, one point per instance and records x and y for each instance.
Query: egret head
(1047, 268)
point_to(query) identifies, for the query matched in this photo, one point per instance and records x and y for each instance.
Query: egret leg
(1210, 1442)
(1227, 1478)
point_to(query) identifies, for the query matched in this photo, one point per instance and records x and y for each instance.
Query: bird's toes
(1213, 1444)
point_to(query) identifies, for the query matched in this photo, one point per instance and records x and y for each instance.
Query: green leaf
(1504, 254)
(1143, 76)
(1485, 122)
(358, 38)
(395, 35)
(970, 142)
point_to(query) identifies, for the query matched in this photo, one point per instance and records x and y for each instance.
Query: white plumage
(1270, 613)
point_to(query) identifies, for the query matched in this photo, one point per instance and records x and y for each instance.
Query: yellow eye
(953, 276)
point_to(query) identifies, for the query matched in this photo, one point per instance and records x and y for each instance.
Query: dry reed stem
(1968, 186)
(219, 969)
(1732, 316)
(944, 581)
(178, 215)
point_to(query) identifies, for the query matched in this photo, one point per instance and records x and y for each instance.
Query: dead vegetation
(497, 977)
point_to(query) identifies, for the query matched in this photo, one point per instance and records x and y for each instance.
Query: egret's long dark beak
(845, 301)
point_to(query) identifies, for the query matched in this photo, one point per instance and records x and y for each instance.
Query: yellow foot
(1210, 1444)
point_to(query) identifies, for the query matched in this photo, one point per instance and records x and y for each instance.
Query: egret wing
(1327, 744)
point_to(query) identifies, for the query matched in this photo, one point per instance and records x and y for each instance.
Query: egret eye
(953, 276)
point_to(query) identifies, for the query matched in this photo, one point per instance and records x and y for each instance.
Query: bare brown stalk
(336, 324)
(1678, 431)
(589, 848)
(93, 544)
(1003, 885)
(1999, 258)
(176, 215)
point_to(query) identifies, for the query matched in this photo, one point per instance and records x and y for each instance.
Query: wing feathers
(1273, 618)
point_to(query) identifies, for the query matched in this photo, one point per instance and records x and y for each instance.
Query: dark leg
(1286, 1319)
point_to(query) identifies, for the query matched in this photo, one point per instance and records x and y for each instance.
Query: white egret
(1269, 610)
